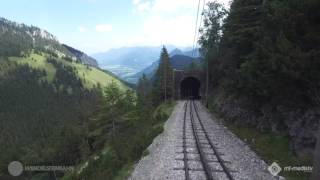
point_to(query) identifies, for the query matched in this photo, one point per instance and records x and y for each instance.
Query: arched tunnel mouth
(190, 88)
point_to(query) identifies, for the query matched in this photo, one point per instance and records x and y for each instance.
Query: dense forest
(263, 58)
(31, 129)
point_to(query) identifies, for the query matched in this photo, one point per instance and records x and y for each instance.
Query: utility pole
(316, 158)
(173, 83)
(207, 83)
(165, 84)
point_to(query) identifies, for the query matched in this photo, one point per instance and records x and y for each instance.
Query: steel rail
(203, 160)
(224, 167)
(185, 157)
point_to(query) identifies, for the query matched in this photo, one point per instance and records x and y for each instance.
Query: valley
(131, 63)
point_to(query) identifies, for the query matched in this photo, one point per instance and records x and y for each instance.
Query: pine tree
(164, 77)
(142, 89)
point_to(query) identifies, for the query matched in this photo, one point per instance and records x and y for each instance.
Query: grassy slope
(90, 76)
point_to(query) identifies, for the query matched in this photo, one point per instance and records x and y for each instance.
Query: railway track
(209, 161)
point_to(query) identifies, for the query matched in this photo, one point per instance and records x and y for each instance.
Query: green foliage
(210, 38)
(267, 53)
(282, 67)
(121, 129)
(143, 89)
(212, 29)
(271, 59)
(38, 123)
(163, 83)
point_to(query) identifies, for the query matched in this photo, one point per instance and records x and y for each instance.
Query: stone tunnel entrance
(190, 88)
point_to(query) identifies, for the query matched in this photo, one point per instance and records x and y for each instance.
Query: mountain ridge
(178, 59)
(17, 39)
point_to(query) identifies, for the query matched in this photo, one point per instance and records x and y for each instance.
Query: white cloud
(158, 30)
(135, 2)
(82, 29)
(144, 6)
(104, 28)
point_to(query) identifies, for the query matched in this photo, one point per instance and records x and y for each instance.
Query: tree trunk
(316, 159)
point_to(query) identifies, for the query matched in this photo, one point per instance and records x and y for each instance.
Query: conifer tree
(142, 89)
(163, 77)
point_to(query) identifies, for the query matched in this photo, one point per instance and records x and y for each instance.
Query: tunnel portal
(190, 88)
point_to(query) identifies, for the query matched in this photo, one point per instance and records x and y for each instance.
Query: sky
(95, 26)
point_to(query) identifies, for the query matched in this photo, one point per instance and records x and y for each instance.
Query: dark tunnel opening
(190, 88)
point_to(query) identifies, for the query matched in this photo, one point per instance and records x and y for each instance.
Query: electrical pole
(207, 83)
(173, 83)
(165, 84)
(316, 159)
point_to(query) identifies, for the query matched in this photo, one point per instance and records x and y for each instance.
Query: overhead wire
(196, 28)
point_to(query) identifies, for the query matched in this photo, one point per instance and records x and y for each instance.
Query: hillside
(90, 76)
(17, 39)
(48, 93)
(31, 45)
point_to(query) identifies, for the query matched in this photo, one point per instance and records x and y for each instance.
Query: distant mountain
(177, 61)
(192, 53)
(127, 61)
(187, 52)
(133, 57)
(176, 51)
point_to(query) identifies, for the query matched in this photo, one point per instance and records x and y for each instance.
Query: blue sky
(98, 25)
